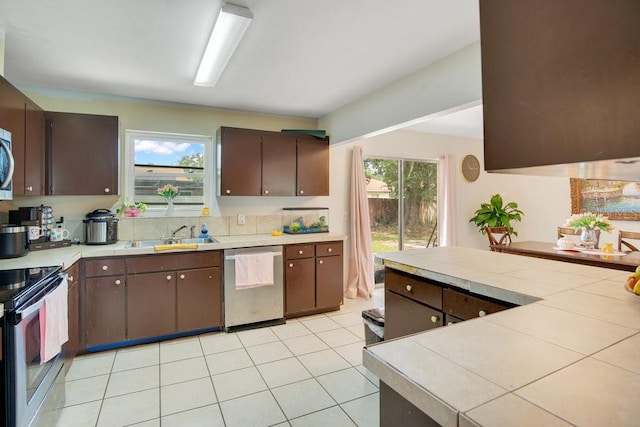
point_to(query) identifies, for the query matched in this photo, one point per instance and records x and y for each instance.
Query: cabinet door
(239, 162)
(72, 346)
(199, 301)
(92, 138)
(313, 167)
(300, 289)
(329, 281)
(104, 310)
(151, 305)
(404, 316)
(34, 150)
(278, 165)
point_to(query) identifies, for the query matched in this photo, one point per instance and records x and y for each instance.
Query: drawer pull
(266, 191)
(107, 190)
(435, 319)
(105, 268)
(329, 250)
(482, 313)
(290, 265)
(71, 278)
(118, 281)
(300, 252)
(301, 191)
(30, 188)
(321, 262)
(168, 277)
(409, 288)
(450, 323)
(182, 276)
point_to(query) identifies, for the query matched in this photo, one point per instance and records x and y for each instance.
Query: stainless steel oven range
(32, 392)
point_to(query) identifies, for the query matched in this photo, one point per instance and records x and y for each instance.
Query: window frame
(209, 169)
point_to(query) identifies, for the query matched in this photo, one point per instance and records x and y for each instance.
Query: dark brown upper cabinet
(263, 163)
(560, 87)
(25, 120)
(82, 154)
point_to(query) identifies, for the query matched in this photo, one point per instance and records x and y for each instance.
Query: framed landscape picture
(619, 200)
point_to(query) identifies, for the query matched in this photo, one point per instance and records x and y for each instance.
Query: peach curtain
(360, 281)
(446, 201)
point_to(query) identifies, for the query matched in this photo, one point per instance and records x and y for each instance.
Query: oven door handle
(39, 299)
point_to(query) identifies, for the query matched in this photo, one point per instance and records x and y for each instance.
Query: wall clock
(470, 167)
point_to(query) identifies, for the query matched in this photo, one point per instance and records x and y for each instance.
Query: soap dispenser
(204, 233)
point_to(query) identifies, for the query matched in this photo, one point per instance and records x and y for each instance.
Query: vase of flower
(169, 192)
(169, 207)
(588, 237)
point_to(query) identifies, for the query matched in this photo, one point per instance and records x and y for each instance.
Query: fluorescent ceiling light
(227, 32)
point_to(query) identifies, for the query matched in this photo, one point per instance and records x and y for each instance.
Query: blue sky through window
(164, 152)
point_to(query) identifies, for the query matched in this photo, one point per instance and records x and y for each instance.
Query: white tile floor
(306, 373)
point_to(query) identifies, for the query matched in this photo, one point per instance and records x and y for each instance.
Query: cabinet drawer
(404, 316)
(414, 288)
(104, 267)
(171, 262)
(299, 251)
(465, 306)
(327, 249)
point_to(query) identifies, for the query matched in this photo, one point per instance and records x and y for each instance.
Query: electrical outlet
(241, 219)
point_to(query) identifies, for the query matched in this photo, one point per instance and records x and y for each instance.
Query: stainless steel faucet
(173, 233)
(193, 231)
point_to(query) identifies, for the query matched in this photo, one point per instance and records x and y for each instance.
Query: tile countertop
(569, 356)
(66, 256)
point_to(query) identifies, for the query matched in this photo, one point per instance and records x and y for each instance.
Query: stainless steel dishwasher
(253, 307)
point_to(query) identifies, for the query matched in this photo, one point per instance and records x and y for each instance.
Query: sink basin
(153, 243)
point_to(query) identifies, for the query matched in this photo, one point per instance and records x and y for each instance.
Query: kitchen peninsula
(567, 356)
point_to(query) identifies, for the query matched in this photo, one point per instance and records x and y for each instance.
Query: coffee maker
(39, 216)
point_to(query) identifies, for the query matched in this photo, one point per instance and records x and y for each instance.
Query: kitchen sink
(168, 241)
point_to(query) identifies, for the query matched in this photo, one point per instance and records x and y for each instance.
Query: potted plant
(132, 209)
(497, 214)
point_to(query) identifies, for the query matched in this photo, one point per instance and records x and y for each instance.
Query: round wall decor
(470, 167)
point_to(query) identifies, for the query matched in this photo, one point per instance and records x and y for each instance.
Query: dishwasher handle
(233, 257)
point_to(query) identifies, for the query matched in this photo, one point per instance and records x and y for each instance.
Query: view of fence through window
(408, 225)
(165, 159)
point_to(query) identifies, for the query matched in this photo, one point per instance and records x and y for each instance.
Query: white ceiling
(303, 58)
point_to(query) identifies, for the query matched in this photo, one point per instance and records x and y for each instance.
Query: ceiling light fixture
(230, 26)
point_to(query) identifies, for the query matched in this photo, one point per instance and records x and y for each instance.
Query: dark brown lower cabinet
(105, 310)
(199, 299)
(299, 277)
(404, 316)
(395, 410)
(72, 346)
(151, 305)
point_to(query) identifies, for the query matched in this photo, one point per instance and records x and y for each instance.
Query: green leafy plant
(497, 214)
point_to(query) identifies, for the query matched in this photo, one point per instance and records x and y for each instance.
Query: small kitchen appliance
(6, 166)
(100, 227)
(14, 241)
(34, 216)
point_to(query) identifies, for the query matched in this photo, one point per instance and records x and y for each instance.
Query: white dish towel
(254, 270)
(54, 322)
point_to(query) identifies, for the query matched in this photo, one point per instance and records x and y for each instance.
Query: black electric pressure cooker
(100, 227)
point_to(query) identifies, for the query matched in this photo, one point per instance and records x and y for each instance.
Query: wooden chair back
(628, 235)
(498, 236)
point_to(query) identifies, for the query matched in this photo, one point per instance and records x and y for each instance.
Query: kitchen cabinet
(313, 278)
(25, 120)
(263, 163)
(415, 304)
(566, 102)
(92, 138)
(71, 347)
(411, 304)
(104, 303)
(172, 293)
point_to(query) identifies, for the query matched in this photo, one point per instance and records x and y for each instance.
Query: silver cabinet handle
(182, 276)
(435, 319)
(409, 288)
(107, 190)
(482, 313)
(118, 281)
(290, 265)
(105, 268)
(168, 277)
